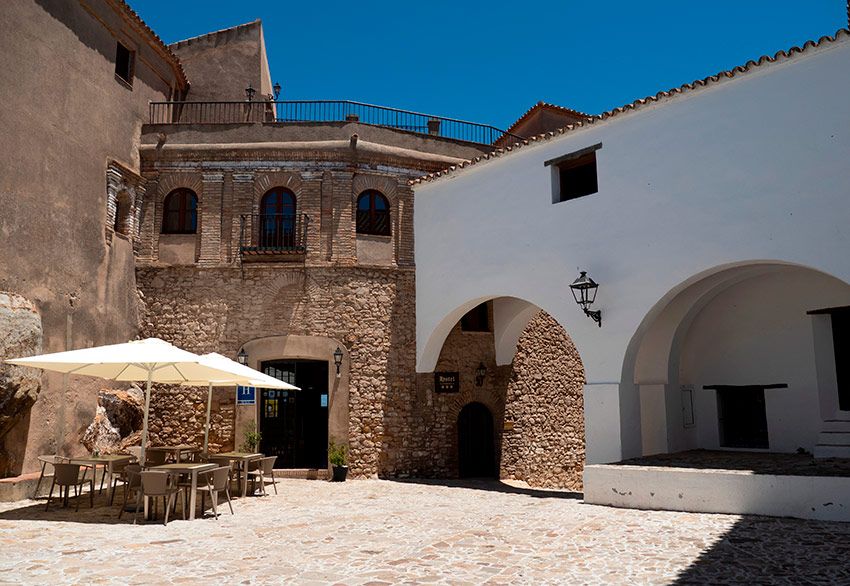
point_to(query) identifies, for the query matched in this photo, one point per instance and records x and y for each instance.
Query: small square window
(124, 62)
(574, 175)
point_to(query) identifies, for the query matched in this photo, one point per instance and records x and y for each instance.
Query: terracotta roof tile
(637, 104)
(541, 105)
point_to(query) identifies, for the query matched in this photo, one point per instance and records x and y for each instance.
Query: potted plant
(251, 436)
(338, 458)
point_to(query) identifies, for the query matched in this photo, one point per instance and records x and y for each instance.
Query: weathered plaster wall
(64, 116)
(220, 65)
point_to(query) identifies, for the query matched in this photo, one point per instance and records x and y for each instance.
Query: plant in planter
(251, 438)
(338, 458)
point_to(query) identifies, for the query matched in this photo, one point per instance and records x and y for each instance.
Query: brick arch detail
(172, 181)
(263, 182)
(388, 186)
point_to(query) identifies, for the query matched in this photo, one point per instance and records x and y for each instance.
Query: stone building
(209, 213)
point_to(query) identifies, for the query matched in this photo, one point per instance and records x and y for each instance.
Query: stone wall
(543, 443)
(536, 403)
(369, 311)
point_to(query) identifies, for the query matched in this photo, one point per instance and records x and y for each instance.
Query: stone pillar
(242, 204)
(404, 226)
(310, 203)
(343, 229)
(327, 217)
(211, 219)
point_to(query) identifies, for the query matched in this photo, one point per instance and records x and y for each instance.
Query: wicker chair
(218, 481)
(157, 483)
(155, 458)
(67, 475)
(45, 460)
(262, 470)
(133, 483)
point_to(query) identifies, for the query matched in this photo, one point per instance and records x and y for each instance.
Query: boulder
(117, 422)
(20, 335)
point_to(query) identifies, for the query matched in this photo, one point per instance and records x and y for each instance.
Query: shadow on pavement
(769, 550)
(492, 485)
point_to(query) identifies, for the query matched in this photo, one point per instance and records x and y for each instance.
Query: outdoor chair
(155, 458)
(135, 451)
(131, 475)
(45, 460)
(119, 473)
(66, 475)
(156, 483)
(218, 480)
(262, 470)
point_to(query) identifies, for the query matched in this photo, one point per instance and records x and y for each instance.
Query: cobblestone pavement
(377, 532)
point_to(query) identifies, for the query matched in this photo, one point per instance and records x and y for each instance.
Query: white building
(718, 233)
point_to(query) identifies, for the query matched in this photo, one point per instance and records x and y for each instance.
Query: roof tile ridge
(192, 40)
(780, 55)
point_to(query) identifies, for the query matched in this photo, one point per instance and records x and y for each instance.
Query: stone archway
(533, 389)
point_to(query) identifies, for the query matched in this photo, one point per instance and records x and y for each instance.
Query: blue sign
(246, 395)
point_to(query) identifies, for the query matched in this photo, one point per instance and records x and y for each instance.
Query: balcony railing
(322, 111)
(273, 235)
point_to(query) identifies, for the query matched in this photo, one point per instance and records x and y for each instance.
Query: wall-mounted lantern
(584, 291)
(276, 89)
(242, 357)
(480, 373)
(249, 92)
(338, 359)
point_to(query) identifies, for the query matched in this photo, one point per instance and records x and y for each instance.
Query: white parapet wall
(825, 498)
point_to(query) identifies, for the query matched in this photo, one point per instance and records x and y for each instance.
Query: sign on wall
(246, 395)
(688, 406)
(446, 382)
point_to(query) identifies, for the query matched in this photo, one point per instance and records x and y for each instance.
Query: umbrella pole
(147, 410)
(207, 427)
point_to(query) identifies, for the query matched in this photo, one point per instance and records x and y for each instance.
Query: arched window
(277, 219)
(373, 214)
(180, 212)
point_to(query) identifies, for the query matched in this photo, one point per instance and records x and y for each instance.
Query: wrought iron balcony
(273, 236)
(295, 111)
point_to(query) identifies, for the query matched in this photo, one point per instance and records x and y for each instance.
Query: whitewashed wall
(750, 168)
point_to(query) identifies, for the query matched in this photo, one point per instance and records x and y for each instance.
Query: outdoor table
(241, 459)
(106, 462)
(192, 469)
(174, 451)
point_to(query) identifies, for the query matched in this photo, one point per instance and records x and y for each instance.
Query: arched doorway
(475, 442)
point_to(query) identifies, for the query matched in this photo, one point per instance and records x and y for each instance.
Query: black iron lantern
(242, 357)
(338, 359)
(276, 89)
(584, 291)
(480, 373)
(249, 92)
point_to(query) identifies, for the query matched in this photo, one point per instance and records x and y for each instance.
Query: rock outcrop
(20, 335)
(118, 421)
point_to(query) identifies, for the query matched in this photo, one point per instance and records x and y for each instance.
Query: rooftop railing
(322, 111)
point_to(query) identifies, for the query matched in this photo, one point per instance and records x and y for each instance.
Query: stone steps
(833, 440)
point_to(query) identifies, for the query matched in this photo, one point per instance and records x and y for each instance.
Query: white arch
(652, 363)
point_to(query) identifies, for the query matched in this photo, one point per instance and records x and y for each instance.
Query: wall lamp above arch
(584, 292)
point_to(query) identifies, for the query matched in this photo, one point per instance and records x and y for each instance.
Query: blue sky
(490, 61)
